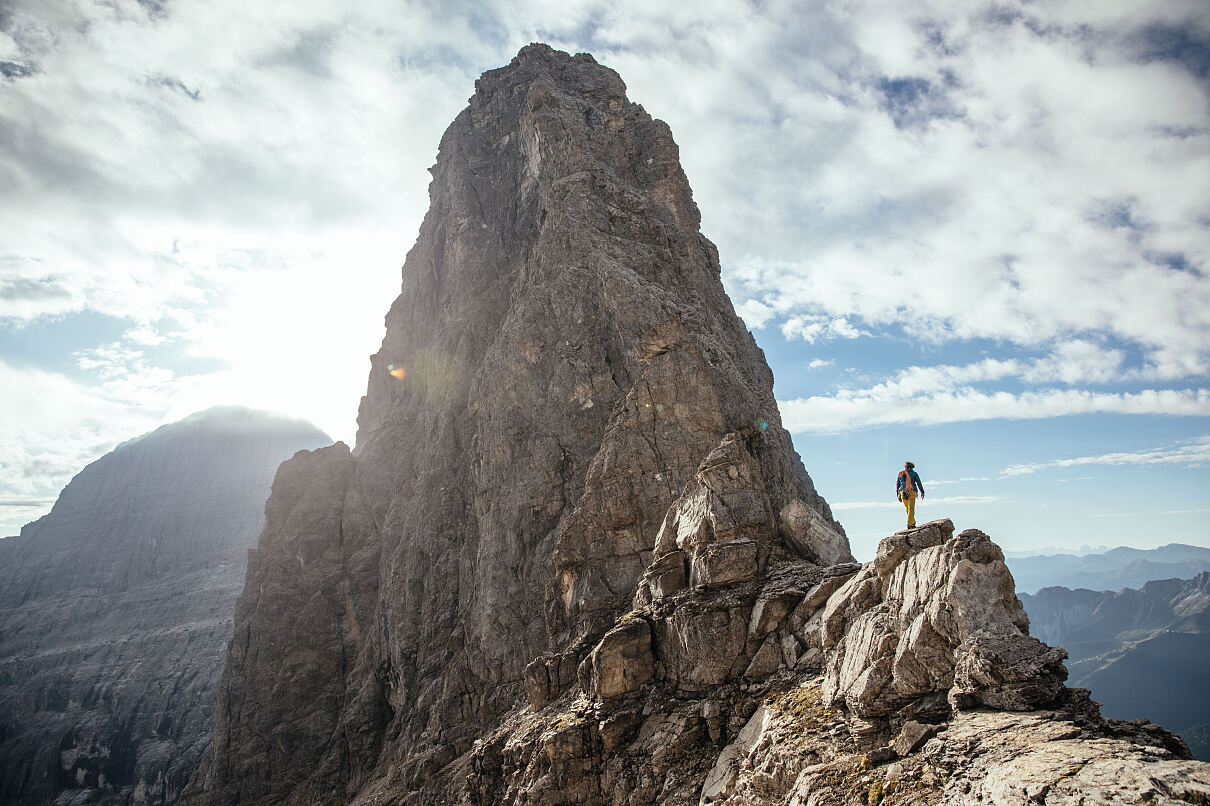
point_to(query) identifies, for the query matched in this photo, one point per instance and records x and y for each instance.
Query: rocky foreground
(575, 559)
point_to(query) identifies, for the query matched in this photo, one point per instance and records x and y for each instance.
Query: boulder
(666, 576)
(724, 564)
(621, 663)
(766, 660)
(701, 644)
(812, 535)
(912, 735)
(934, 614)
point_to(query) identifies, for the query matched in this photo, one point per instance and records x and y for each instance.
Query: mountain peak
(574, 547)
(115, 609)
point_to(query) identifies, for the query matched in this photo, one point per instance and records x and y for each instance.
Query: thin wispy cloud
(963, 480)
(26, 503)
(955, 393)
(1195, 453)
(955, 500)
(864, 409)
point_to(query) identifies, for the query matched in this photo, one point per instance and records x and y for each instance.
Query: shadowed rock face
(571, 358)
(115, 607)
(574, 557)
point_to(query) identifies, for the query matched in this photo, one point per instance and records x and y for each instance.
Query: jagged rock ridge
(571, 358)
(115, 608)
(1118, 568)
(574, 551)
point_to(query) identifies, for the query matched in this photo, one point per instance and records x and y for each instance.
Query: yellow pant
(909, 503)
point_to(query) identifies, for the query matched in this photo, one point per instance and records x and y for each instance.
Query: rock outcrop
(574, 557)
(115, 608)
(935, 614)
(570, 360)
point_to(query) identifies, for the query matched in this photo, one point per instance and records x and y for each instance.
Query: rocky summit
(575, 558)
(116, 606)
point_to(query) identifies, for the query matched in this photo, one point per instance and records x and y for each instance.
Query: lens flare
(396, 372)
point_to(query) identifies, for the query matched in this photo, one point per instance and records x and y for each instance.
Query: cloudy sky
(975, 235)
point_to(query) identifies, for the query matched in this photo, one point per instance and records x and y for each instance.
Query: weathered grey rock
(701, 644)
(772, 606)
(790, 649)
(720, 782)
(927, 617)
(787, 753)
(724, 564)
(664, 577)
(1007, 759)
(1005, 672)
(894, 549)
(813, 535)
(577, 381)
(546, 676)
(621, 663)
(912, 735)
(765, 661)
(115, 609)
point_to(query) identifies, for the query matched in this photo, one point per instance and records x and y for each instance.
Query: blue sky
(975, 235)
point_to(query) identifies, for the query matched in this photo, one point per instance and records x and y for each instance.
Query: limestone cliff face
(115, 607)
(574, 554)
(571, 358)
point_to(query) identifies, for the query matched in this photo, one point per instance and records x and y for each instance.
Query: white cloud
(963, 480)
(137, 150)
(951, 393)
(816, 363)
(755, 313)
(53, 426)
(1194, 453)
(810, 329)
(988, 221)
(862, 409)
(1077, 361)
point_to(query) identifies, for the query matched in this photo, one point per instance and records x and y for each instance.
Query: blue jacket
(901, 482)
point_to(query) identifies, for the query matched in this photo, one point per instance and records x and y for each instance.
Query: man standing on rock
(906, 487)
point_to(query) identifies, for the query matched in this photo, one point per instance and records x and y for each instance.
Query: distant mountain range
(1143, 653)
(116, 607)
(1112, 570)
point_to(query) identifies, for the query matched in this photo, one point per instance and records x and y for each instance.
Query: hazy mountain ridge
(1143, 653)
(115, 608)
(1117, 568)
